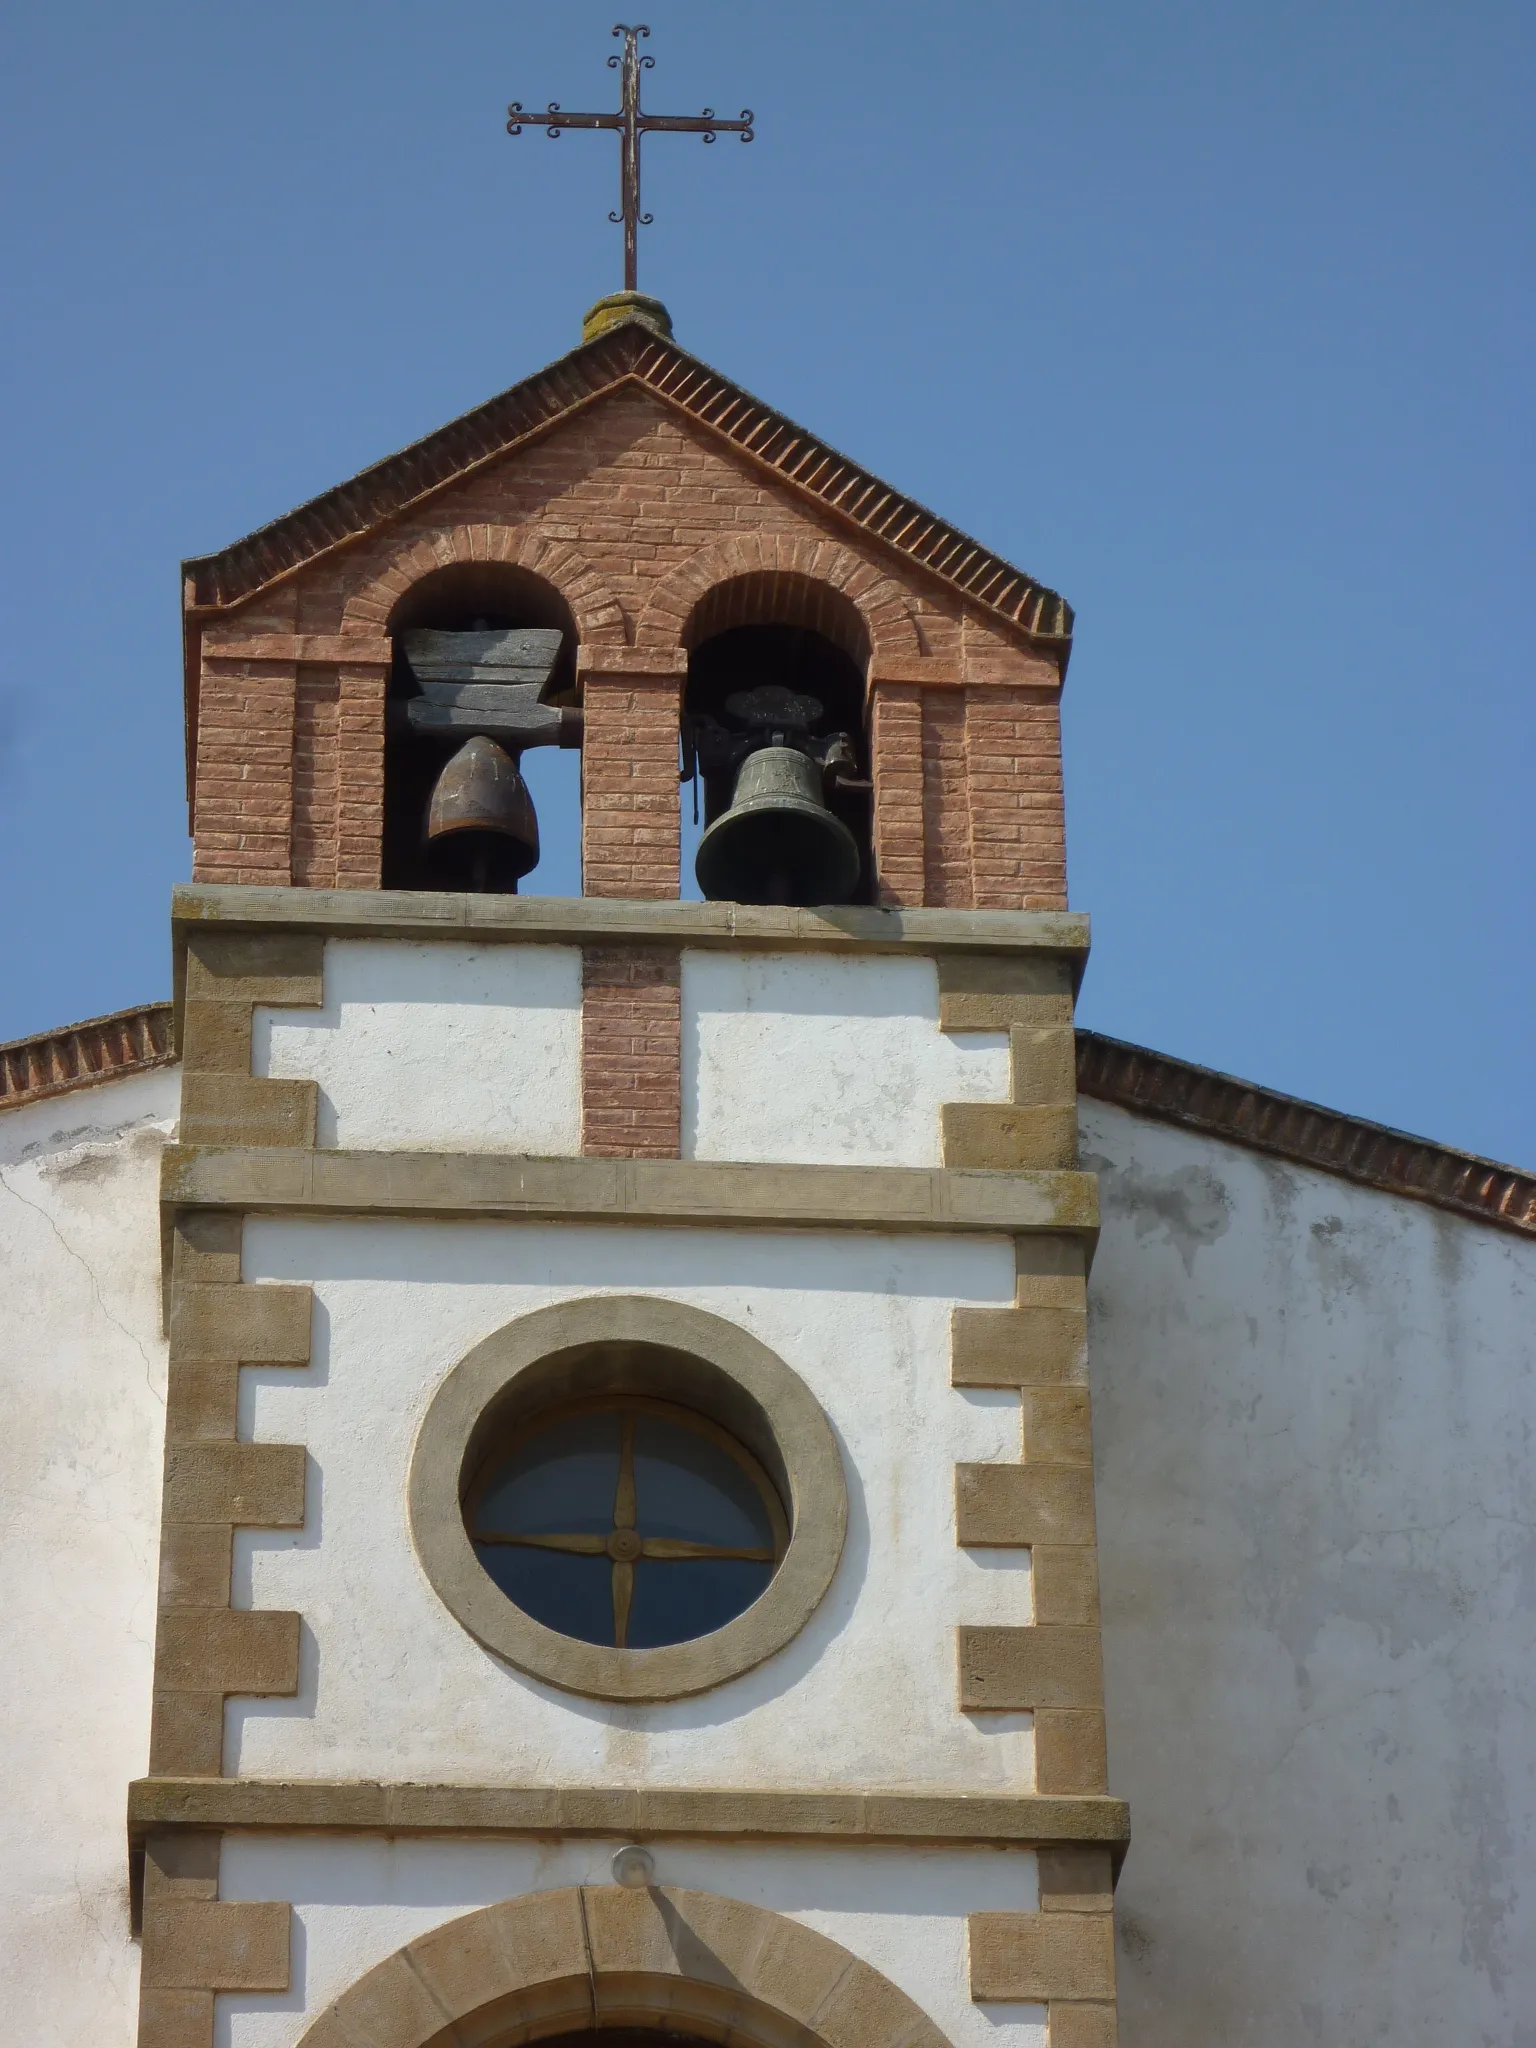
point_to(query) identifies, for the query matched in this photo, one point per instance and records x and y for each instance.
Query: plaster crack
(89, 1271)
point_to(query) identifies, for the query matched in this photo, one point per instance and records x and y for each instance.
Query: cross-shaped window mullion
(624, 1545)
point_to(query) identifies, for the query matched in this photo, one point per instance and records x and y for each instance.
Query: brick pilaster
(630, 820)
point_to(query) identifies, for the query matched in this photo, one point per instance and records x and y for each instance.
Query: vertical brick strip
(360, 775)
(896, 759)
(315, 810)
(630, 817)
(631, 1052)
(946, 802)
(243, 825)
(1014, 798)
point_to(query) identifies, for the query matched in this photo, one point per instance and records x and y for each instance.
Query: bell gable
(636, 501)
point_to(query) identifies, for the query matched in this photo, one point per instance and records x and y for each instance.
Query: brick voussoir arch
(880, 600)
(598, 615)
(558, 1961)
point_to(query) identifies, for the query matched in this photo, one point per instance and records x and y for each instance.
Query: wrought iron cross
(631, 124)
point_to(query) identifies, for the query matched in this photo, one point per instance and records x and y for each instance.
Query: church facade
(557, 1436)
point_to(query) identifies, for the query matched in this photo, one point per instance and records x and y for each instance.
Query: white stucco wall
(824, 1061)
(786, 1056)
(82, 1398)
(358, 1900)
(393, 1687)
(1315, 1424)
(438, 1046)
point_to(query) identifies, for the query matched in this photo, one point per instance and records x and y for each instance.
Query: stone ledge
(157, 1805)
(601, 920)
(641, 1191)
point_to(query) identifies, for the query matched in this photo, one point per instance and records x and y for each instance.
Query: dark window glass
(631, 1525)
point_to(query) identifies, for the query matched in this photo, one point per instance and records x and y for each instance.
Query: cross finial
(631, 124)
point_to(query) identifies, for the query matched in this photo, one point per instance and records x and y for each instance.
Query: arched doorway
(603, 1964)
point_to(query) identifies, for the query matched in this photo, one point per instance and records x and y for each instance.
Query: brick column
(242, 820)
(632, 698)
(896, 769)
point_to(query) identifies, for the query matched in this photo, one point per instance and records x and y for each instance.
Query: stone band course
(641, 1191)
(161, 1805)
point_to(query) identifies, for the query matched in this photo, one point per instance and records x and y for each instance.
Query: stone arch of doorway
(599, 1957)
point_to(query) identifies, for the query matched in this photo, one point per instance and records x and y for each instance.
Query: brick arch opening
(775, 597)
(598, 1957)
(385, 599)
(783, 627)
(777, 571)
(467, 579)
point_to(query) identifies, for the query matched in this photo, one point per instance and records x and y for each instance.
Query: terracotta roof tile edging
(1108, 1070)
(80, 1055)
(1372, 1155)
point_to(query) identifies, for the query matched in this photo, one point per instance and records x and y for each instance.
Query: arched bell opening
(775, 732)
(483, 682)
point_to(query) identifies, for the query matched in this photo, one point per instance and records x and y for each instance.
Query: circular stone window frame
(626, 1346)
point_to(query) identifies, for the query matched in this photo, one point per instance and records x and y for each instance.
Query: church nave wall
(82, 1394)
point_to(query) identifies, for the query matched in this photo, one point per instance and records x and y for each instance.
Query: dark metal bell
(778, 842)
(481, 831)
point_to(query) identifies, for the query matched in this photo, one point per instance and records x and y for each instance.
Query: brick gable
(639, 517)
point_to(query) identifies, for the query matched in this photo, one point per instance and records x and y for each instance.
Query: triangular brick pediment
(630, 358)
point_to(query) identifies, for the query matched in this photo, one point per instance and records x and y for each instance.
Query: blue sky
(1214, 315)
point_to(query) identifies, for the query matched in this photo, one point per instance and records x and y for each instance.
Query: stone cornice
(608, 921)
(605, 921)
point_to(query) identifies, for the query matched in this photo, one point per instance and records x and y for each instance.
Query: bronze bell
(481, 830)
(778, 842)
